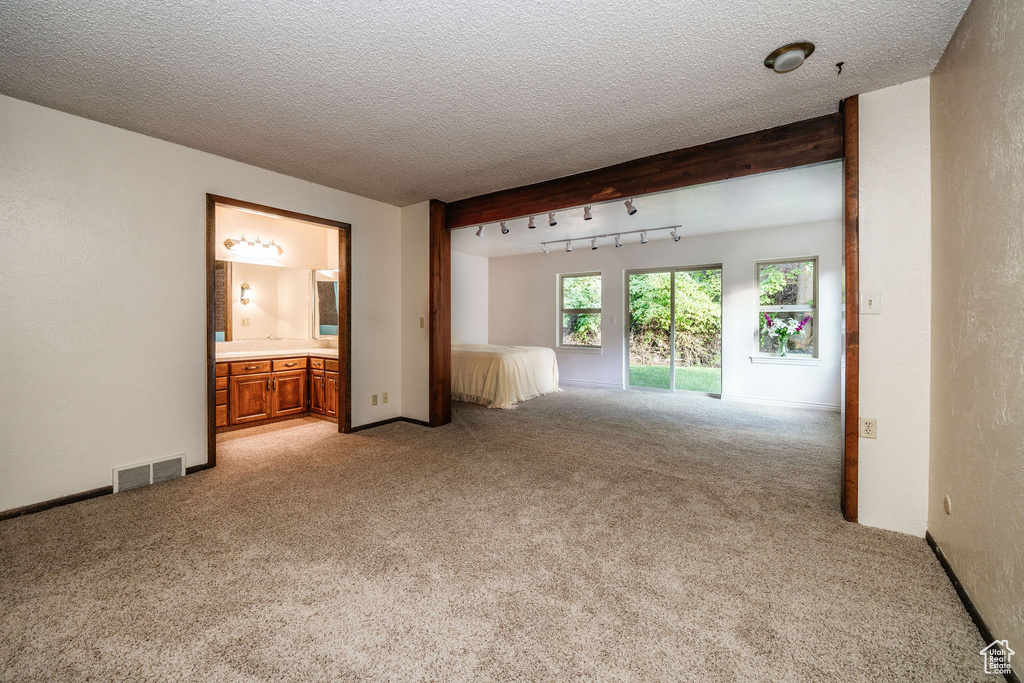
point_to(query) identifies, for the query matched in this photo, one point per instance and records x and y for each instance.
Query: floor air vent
(146, 473)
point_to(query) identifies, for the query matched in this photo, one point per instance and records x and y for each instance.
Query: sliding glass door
(674, 331)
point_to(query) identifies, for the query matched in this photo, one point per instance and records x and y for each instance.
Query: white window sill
(788, 360)
(579, 349)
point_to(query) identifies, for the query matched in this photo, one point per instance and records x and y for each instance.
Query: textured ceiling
(405, 101)
(800, 195)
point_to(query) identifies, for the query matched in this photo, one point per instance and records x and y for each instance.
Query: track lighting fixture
(586, 213)
(630, 209)
(674, 231)
(551, 219)
(531, 224)
(504, 228)
(480, 231)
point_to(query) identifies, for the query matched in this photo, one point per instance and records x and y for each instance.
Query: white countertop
(276, 353)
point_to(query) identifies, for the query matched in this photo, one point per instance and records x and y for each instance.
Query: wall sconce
(255, 249)
(246, 293)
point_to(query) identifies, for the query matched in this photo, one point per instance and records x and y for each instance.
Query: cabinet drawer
(331, 365)
(289, 364)
(222, 397)
(222, 383)
(316, 363)
(222, 416)
(222, 370)
(250, 368)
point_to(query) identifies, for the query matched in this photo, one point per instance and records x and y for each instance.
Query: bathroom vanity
(257, 386)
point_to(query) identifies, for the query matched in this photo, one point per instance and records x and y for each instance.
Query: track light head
(593, 244)
(480, 231)
(618, 241)
(568, 246)
(643, 237)
(630, 209)
(586, 213)
(504, 228)
(675, 235)
(551, 219)
(531, 225)
(544, 248)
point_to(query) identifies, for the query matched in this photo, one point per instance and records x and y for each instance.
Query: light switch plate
(246, 322)
(870, 302)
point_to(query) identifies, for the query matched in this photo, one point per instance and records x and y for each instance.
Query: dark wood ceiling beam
(795, 144)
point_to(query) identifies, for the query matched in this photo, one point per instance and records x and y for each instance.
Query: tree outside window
(580, 310)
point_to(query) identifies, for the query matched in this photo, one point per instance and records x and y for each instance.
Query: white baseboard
(785, 404)
(588, 383)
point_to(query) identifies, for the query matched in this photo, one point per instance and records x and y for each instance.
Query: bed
(502, 376)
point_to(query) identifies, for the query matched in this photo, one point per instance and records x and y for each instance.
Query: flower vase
(783, 346)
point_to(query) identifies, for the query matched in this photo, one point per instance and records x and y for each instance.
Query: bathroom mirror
(257, 302)
(325, 307)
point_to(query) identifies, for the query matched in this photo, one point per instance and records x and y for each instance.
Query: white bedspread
(502, 376)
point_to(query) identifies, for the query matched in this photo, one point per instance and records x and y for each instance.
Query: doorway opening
(674, 330)
(284, 310)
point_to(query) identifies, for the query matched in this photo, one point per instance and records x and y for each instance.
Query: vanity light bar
(253, 248)
(617, 235)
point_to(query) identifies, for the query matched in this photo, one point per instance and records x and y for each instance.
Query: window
(579, 304)
(787, 300)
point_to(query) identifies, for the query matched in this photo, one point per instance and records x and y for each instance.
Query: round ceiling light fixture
(788, 57)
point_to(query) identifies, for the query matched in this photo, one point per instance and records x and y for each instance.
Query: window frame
(789, 308)
(562, 310)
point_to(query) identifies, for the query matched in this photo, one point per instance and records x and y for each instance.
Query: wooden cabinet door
(316, 391)
(249, 398)
(288, 390)
(331, 394)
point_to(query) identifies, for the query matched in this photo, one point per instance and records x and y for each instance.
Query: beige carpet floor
(587, 535)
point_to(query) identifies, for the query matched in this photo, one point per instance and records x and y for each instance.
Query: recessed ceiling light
(788, 57)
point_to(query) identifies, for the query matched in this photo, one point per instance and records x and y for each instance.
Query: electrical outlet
(868, 428)
(384, 397)
(373, 400)
(246, 322)
(423, 322)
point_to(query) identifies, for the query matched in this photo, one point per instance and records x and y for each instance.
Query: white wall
(415, 305)
(469, 298)
(977, 383)
(895, 258)
(103, 285)
(523, 301)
